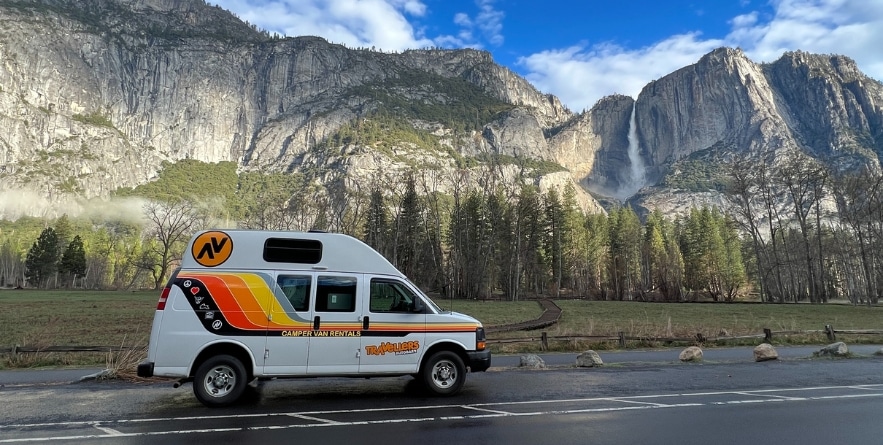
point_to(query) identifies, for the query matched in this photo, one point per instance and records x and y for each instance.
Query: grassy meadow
(37, 318)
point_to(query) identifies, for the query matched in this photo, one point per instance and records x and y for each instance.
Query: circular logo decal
(212, 248)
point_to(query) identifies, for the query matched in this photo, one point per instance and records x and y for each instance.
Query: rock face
(594, 145)
(95, 94)
(726, 106)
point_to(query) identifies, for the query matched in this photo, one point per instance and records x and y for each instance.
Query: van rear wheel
(444, 373)
(219, 381)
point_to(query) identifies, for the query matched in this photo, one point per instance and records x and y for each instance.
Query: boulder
(588, 359)
(764, 352)
(879, 353)
(691, 354)
(838, 349)
(532, 361)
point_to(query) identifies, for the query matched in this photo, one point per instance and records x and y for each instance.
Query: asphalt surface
(638, 396)
(622, 358)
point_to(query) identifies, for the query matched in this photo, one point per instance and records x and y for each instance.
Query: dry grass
(38, 319)
(685, 320)
(123, 362)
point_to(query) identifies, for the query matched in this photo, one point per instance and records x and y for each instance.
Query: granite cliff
(95, 94)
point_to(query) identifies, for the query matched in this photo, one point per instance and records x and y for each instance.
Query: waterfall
(637, 170)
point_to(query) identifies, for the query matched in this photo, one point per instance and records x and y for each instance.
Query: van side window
(336, 294)
(390, 296)
(292, 250)
(296, 289)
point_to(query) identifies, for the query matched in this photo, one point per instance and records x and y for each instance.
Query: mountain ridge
(92, 100)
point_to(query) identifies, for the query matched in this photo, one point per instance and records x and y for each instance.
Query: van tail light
(162, 298)
(480, 340)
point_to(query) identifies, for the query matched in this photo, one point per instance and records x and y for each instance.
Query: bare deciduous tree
(170, 224)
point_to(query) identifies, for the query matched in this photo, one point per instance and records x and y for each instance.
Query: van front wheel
(219, 381)
(444, 373)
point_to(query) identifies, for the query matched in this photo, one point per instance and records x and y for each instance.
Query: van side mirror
(418, 306)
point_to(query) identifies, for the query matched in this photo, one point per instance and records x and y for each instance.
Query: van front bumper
(145, 369)
(479, 360)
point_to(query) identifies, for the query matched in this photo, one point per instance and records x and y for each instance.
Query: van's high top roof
(259, 249)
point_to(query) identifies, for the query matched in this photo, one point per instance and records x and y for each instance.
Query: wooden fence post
(622, 339)
(829, 330)
(544, 337)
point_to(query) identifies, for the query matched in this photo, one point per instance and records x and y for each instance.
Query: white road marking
(639, 402)
(476, 408)
(774, 396)
(108, 431)
(315, 419)
(316, 416)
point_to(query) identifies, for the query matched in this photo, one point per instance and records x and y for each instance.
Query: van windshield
(434, 307)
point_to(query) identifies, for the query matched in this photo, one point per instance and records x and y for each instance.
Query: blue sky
(582, 50)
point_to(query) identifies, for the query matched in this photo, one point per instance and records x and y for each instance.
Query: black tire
(219, 381)
(443, 373)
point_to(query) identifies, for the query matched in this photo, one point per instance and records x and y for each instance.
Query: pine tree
(408, 225)
(712, 254)
(573, 239)
(73, 262)
(625, 251)
(42, 259)
(476, 244)
(529, 237)
(663, 260)
(554, 239)
(598, 253)
(377, 223)
(733, 275)
(63, 229)
(654, 253)
(502, 259)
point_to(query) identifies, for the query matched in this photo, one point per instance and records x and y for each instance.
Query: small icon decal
(217, 324)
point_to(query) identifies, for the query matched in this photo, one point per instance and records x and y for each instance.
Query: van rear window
(292, 250)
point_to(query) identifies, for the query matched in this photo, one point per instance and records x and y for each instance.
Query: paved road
(722, 402)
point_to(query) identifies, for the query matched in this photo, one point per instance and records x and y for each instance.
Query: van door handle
(365, 323)
(316, 323)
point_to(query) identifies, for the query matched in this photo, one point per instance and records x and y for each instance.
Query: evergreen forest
(794, 233)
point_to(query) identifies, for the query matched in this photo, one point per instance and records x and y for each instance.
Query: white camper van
(248, 305)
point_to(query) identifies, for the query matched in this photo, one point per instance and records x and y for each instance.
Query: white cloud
(744, 20)
(490, 21)
(849, 27)
(382, 24)
(582, 74)
(462, 19)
